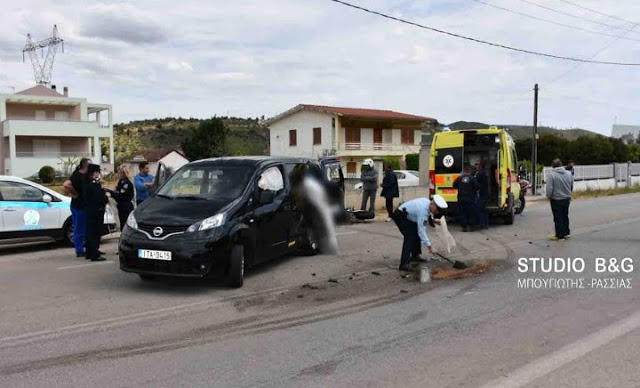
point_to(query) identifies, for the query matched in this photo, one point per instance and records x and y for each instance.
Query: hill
(521, 132)
(245, 137)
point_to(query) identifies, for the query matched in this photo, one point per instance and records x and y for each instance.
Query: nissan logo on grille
(157, 231)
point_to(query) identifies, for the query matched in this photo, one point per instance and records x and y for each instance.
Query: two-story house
(352, 134)
(41, 127)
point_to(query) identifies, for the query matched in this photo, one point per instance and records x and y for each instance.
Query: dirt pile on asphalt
(444, 273)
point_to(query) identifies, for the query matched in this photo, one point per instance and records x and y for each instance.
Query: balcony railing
(52, 154)
(379, 147)
(32, 118)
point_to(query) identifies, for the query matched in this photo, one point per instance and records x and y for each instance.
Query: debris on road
(332, 280)
(375, 273)
(442, 273)
(309, 286)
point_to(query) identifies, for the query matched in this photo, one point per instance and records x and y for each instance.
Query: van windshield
(207, 182)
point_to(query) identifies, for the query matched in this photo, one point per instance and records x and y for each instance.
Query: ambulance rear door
(449, 156)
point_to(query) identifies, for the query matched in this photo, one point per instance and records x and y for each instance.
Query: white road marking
(86, 265)
(547, 364)
(345, 233)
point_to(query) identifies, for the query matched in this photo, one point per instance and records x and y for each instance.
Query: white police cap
(440, 202)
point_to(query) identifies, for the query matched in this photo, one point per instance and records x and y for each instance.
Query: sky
(249, 58)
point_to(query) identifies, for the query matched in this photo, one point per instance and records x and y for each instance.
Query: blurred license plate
(154, 255)
(449, 191)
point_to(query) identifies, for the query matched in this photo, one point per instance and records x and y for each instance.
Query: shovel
(456, 265)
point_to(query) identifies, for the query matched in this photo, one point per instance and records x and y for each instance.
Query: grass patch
(590, 193)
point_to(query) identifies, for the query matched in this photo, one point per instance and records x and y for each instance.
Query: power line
(553, 22)
(570, 15)
(593, 56)
(596, 11)
(483, 41)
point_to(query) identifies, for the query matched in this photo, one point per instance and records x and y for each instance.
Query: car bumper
(189, 257)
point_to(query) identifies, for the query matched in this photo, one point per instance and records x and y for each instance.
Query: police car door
(24, 209)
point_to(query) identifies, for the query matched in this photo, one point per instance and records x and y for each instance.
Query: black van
(214, 217)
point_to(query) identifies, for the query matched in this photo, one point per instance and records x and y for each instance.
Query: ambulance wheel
(236, 266)
(508, 219)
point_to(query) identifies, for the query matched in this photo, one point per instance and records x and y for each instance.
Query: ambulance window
(514, 160)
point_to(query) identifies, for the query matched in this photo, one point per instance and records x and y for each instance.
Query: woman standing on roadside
(123, 195)
(389, 188)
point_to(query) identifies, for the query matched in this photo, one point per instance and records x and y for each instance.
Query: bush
(47, 174)
(395, 162)
(413, 162)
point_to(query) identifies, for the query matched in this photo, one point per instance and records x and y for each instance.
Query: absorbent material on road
(443, 234)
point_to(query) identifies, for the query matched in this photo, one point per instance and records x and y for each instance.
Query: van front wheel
(236, 266)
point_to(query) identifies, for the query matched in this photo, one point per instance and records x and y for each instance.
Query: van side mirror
(266, 197)
(46, 198)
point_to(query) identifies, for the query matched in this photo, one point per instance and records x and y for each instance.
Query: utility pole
(534, 141)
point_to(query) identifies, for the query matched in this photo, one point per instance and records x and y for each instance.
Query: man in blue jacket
(143, 182)
(410, 217)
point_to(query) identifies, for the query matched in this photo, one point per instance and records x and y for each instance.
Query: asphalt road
(67, 322)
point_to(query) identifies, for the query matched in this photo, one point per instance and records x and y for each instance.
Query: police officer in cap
(410, 217)
(95, 201)
(467, 187)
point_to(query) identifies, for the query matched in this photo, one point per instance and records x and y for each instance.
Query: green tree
(620, 150)
(207, 141)
(413, 162)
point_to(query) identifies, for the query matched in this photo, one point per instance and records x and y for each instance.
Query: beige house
(41, 127)
(352, 134)
(171, 158)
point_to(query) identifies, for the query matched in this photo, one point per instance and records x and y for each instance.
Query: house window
(352, 138)
(408, 136)
(317, 136)
(293, 138)
(41, 115)
(62, 116)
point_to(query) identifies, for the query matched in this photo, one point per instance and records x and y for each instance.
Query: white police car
(30, 212)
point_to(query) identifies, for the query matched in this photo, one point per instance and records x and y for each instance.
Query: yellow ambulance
(453, 150)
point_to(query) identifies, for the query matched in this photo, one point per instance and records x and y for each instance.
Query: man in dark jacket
(95, 202)
(482, 216)
(390, 188)
(123, 194)
(559, 188)
(369, 179)
(467, 187)
(74, 187)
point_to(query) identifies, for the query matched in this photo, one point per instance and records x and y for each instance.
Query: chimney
(53, 87)
(66, 91)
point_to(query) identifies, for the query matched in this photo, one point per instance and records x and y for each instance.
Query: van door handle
(11, 209)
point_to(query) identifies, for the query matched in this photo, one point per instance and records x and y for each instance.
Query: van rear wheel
(309, 245)
(508, 219)
(236, 266)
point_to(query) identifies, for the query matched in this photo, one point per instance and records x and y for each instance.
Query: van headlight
(208, 223)
(131, 222)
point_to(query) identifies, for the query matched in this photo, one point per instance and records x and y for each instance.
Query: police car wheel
(236, 266)
(67, 232)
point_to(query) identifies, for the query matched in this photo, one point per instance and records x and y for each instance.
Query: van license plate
(449, 191)
(154, 255)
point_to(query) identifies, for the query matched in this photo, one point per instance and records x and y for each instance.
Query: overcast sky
(249, 58)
